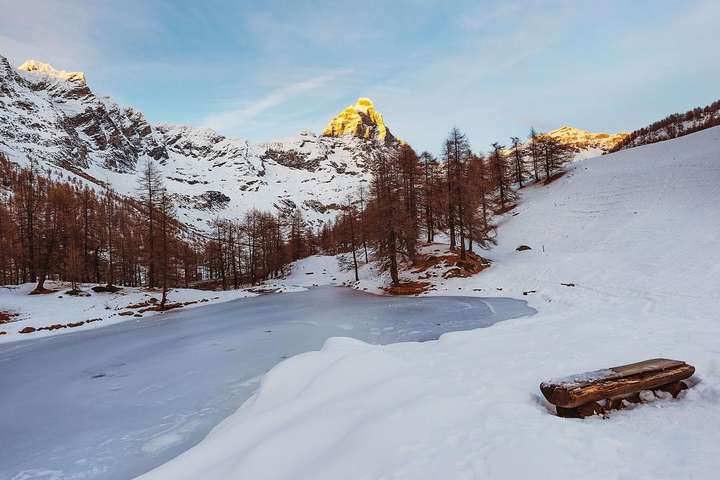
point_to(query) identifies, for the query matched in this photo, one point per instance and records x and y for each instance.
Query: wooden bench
(584, 394)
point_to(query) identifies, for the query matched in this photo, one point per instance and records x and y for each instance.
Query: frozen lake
(115, 402)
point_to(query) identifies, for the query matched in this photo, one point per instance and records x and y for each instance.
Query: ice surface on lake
(115, 402)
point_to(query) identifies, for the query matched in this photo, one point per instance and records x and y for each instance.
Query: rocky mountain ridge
(581, 139)
(52, 117)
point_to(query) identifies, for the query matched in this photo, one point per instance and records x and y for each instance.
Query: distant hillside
(586, 144)
(673, 126)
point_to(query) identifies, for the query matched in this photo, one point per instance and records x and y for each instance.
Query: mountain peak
(584, 139)
(359, 120)
(33, 66)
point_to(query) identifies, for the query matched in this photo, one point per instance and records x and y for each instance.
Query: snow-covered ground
(636, 233)
(38, 311)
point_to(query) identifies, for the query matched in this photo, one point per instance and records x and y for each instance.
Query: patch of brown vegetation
(7, 317)
(470, 265)
(148, 303)
(77, 293)
(456, 273)
(106, 289)
(408, 288)
(42, 291)
(58, 326)
(158, 308)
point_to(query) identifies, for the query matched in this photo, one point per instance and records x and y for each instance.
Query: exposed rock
(584, 140)
(360, 120)
(318, 206)
(27, 330)
(292, 159)
(212, 200)
(522, 248)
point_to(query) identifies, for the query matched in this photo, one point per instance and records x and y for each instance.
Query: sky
(270, 69)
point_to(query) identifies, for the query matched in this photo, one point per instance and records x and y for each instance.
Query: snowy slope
(54, 118)
(637, 233)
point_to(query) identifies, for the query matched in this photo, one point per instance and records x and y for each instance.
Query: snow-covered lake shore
(91, 309)
(115, 402)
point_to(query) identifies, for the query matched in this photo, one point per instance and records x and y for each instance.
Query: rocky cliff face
(360, 120)
(53, 117)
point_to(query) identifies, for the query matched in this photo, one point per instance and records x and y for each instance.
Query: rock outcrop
(584, 140)
(360, 120)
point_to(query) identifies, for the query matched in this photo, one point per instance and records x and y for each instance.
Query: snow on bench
(578, 396)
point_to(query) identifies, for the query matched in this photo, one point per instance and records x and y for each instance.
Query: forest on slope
(673, 126)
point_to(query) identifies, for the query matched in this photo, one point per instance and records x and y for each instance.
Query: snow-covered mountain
(586, 144)
(53, 117)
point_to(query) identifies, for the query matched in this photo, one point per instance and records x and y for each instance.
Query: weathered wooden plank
(651, 365)
(616, 403)
(576, 390)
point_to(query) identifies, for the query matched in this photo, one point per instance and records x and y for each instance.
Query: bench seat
(578, 395)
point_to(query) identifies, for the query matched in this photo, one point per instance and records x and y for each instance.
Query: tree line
(673, 126)
(414, 198)
(61, 229)
(53, 228)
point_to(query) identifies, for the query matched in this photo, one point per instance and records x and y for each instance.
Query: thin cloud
(237, 117)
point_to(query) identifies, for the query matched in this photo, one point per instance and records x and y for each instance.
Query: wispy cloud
(73, 34)
(237, 116)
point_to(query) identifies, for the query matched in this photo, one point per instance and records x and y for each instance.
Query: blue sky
(265, 70)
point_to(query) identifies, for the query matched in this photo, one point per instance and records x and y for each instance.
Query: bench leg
(581, 411)
(673, 388)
